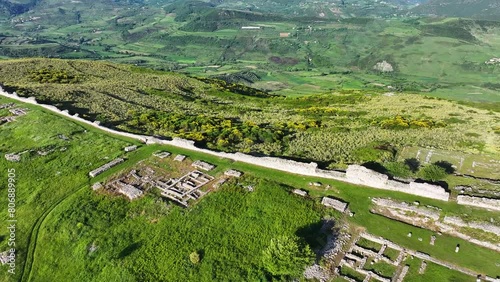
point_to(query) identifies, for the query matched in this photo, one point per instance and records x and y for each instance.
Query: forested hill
(334, 128)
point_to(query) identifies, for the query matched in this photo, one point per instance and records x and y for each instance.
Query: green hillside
(477, 9)
(335, 128)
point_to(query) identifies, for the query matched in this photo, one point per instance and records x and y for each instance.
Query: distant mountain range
(478, 9)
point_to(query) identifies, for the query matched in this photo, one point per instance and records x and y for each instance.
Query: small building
(130, 148)
(334, 203)
(284, 34)
(203, 165)
(300, 192)
(130, 191)
(233, 173)
(13, 157)
(161, 154)
(179, 158)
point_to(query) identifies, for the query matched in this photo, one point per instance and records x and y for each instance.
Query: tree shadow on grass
(129, 250)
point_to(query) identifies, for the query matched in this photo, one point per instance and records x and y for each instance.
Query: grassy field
(334, 129)
(43, 180)
(479, 165)
(70, 231)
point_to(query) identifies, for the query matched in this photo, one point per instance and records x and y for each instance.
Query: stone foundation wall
(484, 226)
(485, 203)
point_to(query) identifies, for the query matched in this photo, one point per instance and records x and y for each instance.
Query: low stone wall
(484, 226)
(430, 213)
(355, 174)
(364, 176)
(485, 203)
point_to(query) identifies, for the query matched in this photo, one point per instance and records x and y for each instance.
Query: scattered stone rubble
(13, 157)
(18, 112)
(7, 106)
(15, 112)
(105, 167)
(334, 203)
(317, 272)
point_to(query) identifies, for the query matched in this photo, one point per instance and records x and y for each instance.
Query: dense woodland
(335, 128)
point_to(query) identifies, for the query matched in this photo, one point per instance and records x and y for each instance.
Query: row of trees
(217, 132)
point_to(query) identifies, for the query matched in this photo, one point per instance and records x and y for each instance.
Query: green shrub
(286, 256)
(398, 169)
(432, 172)
(194, 257)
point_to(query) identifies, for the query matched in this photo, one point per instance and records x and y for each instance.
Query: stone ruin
(185, 188)
(13, 157)
(179, 158)
(357, 256)
(431, 213)
(15, 112)
(130, 148)
(485, 203)
(429, 218)
(299, 192)
(203, 165)
(363, 176)
(334, 203)
(233, 173)
(105, 167)
(128, 190)
(161, 154)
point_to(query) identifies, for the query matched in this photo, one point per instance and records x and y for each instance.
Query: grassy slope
(109, 92)
(42, 180)
(480, 259)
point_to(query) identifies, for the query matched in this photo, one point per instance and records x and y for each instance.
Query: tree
(286, 256)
